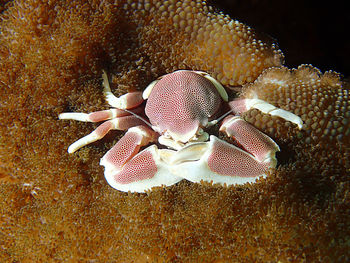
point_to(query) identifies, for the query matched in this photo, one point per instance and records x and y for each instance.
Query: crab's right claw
(127, 169)
(219, 162)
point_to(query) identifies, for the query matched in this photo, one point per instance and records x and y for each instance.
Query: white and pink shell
(179, 106)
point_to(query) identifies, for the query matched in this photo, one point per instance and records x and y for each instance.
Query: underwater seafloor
(58, 208)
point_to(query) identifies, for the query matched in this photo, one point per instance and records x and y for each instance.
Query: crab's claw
(261, 146)
(221, 162)
(217, 161)
(127, 169)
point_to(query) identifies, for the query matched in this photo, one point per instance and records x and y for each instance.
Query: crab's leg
(98, 116)
(127, 169)
(127, 101)
(121, 123)
(119, 118)
(239, 106)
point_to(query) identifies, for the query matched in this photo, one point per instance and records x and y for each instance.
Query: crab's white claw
(239, 106)
(127, 169)
(261, 146)
(219, 162)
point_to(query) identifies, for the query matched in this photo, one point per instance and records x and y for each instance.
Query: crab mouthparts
(191, 152)
(178, 142)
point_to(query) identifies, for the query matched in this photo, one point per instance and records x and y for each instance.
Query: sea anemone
(58, 207)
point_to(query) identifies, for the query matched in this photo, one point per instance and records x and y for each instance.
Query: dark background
(308, 32)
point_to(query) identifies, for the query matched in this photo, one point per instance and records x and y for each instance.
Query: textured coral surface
(58, 207)
(322, 102)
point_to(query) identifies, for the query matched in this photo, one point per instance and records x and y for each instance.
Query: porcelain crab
(173, 112)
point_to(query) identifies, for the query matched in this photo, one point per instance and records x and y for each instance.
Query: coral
(194, 37)
(322, 102)
(57, 207)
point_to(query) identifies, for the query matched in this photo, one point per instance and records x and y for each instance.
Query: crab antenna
(213, 122)
(138, 116)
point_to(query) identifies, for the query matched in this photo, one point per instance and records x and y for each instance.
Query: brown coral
(57, 207)
(322, 102)
(194, 37)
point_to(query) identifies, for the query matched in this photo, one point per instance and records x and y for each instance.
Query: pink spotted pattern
(252, 140)
(182, 101)
(238, 106)
(133, 99)
(124, 150)
(127, 122)
(229, 160)
(99, 115)
(104, 128)
(139, 168)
